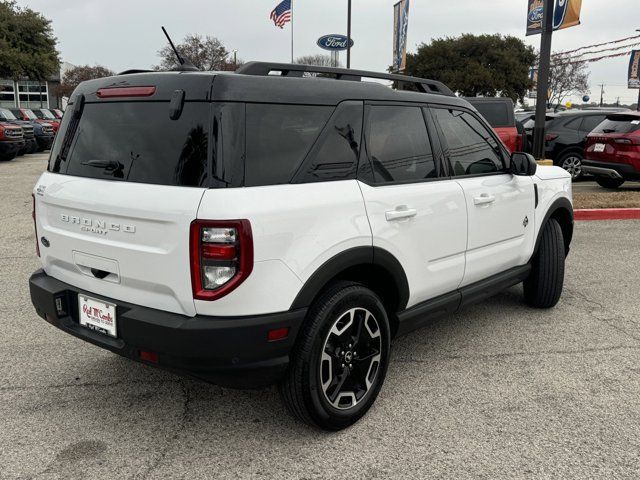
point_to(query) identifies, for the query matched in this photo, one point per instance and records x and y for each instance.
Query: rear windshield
(497, 114)
(135, 142)
(619, 124)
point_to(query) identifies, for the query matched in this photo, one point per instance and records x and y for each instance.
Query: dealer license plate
(97, 315)
(599, 147)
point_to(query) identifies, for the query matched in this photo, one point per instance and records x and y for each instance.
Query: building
(32, 93)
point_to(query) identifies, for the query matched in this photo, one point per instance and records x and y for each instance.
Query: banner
(634, 69)
(533, 76)
(566, 13)
(400, 26)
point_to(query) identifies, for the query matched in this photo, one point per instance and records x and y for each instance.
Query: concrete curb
(607, 214)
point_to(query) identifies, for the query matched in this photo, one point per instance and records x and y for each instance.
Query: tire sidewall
(345, 300)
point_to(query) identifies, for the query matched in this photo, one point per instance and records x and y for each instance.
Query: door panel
(500, 231)
(429, 241)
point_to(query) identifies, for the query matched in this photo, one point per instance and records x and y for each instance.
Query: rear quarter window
(278, 138)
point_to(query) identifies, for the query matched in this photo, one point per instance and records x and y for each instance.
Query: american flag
(281, 14)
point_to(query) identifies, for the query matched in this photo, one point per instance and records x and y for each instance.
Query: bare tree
(567, 77)
(318, 60)
(75, 75)
(206, 53)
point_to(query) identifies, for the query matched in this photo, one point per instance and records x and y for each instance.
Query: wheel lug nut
(342, 365)
(350, 366)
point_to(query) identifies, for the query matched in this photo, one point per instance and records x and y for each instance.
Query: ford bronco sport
(273, 226)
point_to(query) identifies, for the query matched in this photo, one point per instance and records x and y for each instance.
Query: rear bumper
(611, 170)
(231, 351)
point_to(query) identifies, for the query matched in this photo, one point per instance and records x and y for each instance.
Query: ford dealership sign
(333, 42)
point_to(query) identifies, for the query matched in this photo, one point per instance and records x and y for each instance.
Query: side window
(470, 148)
(399, 146)
(335, 154)
(278, 138)
(590, 122)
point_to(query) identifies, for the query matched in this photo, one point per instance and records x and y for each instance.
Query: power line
(597, 45)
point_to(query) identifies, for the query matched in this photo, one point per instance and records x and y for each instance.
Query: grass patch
(606, 199)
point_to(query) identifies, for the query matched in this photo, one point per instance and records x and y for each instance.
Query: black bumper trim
(228, 351)
(625, 170)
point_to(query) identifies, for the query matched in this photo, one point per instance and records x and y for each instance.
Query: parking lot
(496, 391)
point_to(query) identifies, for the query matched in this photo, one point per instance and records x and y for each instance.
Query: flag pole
(291, 31)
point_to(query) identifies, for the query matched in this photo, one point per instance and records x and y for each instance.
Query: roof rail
(295, 70)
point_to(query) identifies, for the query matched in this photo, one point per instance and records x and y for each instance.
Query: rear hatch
(123, 185)
(616, 139)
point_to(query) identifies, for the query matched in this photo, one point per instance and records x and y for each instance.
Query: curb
(607, 214)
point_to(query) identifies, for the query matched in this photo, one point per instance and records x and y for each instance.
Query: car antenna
(185, 64)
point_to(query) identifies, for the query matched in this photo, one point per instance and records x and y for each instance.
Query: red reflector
(148, 356)
(126, 92)
(277, 334)
(218, 252)
(551, 136)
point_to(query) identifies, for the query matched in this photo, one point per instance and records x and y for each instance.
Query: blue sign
(334, 42)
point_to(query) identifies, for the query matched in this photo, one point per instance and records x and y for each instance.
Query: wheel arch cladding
(562, 211)
(373, 267)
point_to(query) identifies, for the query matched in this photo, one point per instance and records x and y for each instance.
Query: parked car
(45, 115)
(43, 131)
(284, 229)
(57, 113)
(28, 114)
(613, 150)
(566, 135)
(11, 141)
(499, 113)
(31, 145)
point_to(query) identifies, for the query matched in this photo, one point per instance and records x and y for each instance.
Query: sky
(123, 34)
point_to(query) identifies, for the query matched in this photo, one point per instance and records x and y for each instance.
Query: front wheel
(611, 183)
(340, 360)
(544, 286)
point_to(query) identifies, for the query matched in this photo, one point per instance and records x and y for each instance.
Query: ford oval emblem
(333, 42)
(535, 15)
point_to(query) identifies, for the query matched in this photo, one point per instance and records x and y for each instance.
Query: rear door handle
(484, 199)
(400, 212)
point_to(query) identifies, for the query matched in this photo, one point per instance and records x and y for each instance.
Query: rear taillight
(551, 136)
(35, 227)
(221, 256)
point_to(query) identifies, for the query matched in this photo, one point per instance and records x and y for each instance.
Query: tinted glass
(619, 124)
(399, 146)
(7, 115)
(574, 124)
(470, 148)
(496, 114)
(591, 122)
(278, 139)
(137, 142)
(229, 144)
(335, 154)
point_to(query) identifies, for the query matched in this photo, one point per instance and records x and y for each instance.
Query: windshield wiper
(109, 165)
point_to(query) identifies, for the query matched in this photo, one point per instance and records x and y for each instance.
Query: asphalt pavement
(497, 391)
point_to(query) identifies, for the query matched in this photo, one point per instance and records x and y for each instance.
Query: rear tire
(611, 183)
(572, 163)
(340, 359)
(544, 286)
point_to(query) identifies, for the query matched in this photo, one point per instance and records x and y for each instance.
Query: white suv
(249, 228)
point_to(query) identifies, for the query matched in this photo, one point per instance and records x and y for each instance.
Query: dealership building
(32, 93)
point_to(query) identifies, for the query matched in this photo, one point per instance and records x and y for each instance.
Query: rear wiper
(609, 130)
(106, 164)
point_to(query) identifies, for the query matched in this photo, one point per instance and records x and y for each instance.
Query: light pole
(544, 66)
(638, 108)
(349, 34)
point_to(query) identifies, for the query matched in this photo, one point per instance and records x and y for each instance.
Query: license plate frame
(97, 315)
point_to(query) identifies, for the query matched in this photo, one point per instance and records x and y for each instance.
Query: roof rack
(295, 70)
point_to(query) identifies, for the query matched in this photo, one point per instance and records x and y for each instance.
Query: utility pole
(349, 34)
(543, 80)
(601, 95)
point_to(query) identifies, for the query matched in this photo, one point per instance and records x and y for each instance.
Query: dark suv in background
(566, 135)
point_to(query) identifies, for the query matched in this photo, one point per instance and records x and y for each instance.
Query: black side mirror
(523, 164)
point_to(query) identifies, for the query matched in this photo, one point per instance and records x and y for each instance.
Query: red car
(57, 113)
(612, 151)
(45, 115)
(29, 115)
(499, 113)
